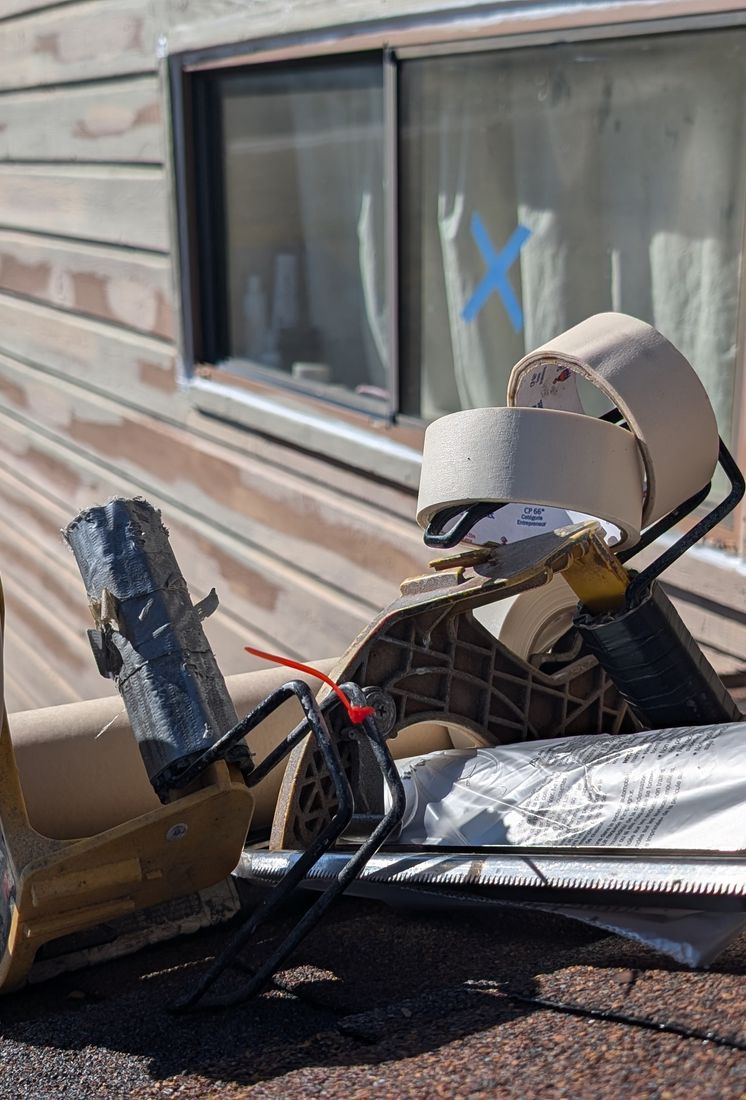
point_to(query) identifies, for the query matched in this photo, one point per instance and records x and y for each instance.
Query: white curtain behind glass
(339, 163)
(304, 191)
(626, 163)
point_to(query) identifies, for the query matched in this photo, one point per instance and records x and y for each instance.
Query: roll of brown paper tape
(652, 385)
(533, 456)
(81, 771)
(532, 621)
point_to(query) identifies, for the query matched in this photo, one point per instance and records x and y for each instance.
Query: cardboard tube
(81, 771)
(653, 386)
(533, 456)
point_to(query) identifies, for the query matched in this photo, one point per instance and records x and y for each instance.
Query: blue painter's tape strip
(496, 279)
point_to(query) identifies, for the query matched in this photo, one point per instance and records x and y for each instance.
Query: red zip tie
(357, 714)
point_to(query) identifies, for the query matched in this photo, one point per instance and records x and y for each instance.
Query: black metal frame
(208, 244)
(315, 721)
(641, 583)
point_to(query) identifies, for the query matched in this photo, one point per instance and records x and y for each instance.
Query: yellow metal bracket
(579, 553)
(51, 888)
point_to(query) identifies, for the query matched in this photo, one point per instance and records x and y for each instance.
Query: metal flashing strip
(369, 451)
(415, 25)
(678, 879)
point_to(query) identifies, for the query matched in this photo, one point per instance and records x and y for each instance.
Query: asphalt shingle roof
(392, 1003)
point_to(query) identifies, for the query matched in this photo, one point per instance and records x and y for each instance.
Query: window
(566, 181)
(389, 233)
(303, 193)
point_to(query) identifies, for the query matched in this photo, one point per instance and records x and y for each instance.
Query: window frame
(387, 445)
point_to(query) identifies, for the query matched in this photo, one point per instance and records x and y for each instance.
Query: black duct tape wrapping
(656, 664)
(157, 652)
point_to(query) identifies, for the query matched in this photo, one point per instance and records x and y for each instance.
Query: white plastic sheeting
(669, 789)
(676, 788)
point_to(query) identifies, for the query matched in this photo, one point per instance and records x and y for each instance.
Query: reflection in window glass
(303, 171)
(622, 162)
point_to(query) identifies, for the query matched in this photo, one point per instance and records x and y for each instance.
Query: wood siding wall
(302, 552)
(89, 401)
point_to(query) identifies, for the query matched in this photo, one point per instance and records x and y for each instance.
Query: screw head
(384, 706)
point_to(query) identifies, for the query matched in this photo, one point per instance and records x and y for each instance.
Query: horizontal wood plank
(134, 368)
(312, 529)
(390, 501)
(79, 41)
(9, 8)
(109, 204)
(129, 288)
(42, 619)
(29, 674)
(106, 122)
(274, 605)
(198, 24)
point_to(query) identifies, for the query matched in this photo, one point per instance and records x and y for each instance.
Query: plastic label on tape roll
(522, 521)
(533, 457)
(649, 381)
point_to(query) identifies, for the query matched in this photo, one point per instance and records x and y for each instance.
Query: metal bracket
(439, 664)
(339, 820)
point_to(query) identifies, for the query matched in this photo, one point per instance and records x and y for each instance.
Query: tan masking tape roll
(533, 456)
(652, 385)
(532, 621)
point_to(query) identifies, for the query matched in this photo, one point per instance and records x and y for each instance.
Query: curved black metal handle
(665, 523)
(641, 583)
(307, 860)
(438, 539)
(312, 710)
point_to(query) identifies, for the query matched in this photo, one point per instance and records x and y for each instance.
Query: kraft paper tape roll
(81, 771)
(652, 385)
(532, 621)
(533, 456)
(78, 780)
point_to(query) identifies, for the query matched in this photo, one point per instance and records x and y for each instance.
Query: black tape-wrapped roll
(151, 641)
(656, 664)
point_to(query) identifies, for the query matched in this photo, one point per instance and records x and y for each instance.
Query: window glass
(304, 192)
(541, 186)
